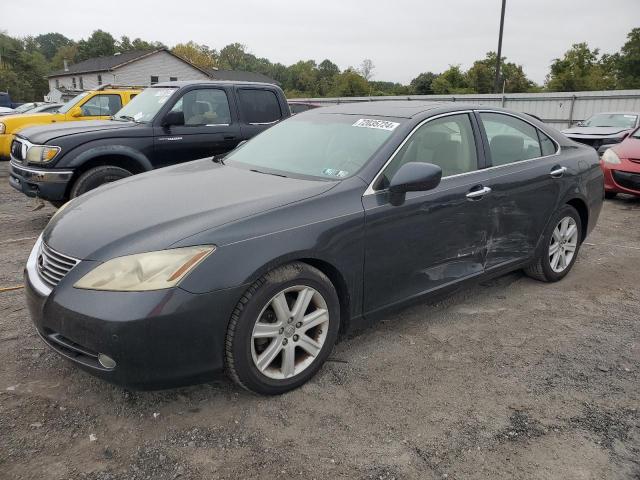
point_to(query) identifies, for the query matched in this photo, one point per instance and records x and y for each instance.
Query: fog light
(106, 361)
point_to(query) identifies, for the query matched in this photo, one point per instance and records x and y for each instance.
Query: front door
(434, 238)
(209, 128)
(525, 182)
(99, 107)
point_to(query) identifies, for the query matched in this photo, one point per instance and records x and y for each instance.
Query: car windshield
(25, 107)
(73, 102)
(622, 120)
(326, 146)
(145, 105)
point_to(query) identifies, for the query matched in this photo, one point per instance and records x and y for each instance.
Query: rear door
(437, 237)
(209, 128)
(259, 109)
(526, 176)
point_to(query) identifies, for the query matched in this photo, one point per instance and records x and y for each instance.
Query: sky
(403, 38)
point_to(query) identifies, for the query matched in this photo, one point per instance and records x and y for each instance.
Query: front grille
(17, 150)
(627, 179)
(592, 142)
(52, 265)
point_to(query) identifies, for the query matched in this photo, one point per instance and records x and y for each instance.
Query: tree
(99, 44)
(581, 69)
(232, 56)
(69, 53)
(481, 76)
(366, 69)
(421, 85)
(452, 80)
(350, 84)
(200, 55)
(49, 44)
(628, 61)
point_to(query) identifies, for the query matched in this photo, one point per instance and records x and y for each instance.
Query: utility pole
(496, 85)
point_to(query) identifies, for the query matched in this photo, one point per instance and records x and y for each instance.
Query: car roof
(615, 113)
(385, 108)
(186, 83)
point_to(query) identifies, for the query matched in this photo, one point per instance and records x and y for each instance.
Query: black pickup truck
(166, 124)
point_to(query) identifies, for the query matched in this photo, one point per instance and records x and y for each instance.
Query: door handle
(557, 172)
(478, 194)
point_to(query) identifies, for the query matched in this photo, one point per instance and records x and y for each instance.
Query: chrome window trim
(371, 191)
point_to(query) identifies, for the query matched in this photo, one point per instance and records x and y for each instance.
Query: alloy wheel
(290, 332)
(563, 245)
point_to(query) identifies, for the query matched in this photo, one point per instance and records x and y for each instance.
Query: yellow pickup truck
(90, 105)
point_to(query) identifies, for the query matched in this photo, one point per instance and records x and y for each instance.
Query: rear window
(259, 106)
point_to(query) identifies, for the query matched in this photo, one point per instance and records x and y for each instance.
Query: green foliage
(49, 44)
(581, 69)
(452, 80)
(422, 84)
(200, 55)
(99, 44)
(23, 69)
(628, 61)
(481, 76)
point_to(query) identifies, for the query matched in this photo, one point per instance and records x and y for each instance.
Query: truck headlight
(42, 153)
(145, 271)
(609, 156)
(2, 128)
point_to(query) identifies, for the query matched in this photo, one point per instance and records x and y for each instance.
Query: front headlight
(41, 153)
(609, 156)
(2, 128)
(145, 271)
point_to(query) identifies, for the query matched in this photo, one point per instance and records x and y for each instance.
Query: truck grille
(18, 150)
(53, 266)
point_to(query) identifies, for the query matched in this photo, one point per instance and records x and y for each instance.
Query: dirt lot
(511, 379)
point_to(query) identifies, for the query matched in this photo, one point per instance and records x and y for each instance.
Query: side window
(154, 79)
(510, 139)
(101, 105)
(208, 106)
(546, 144)
(173, 79)
(447, 142)
(259, 106)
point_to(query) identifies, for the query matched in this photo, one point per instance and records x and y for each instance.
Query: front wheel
(561, 242)
(282, 330)
(95, 177)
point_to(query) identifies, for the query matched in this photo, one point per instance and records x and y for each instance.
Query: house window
(154, 79)
(81, 84)
(173, 79)
(57, 83)
(73, 82)
(99, 79)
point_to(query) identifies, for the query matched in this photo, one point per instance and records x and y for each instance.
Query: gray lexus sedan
(255, 264)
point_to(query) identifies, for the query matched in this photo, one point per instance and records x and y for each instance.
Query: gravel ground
(510, 379)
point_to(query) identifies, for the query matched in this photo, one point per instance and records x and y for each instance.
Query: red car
(621, 167)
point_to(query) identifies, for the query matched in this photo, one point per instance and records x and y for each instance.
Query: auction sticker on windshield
(379, 124)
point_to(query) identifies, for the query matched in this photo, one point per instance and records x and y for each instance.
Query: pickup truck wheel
(97, 176)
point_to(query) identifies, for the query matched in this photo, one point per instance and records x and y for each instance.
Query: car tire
(95, 177)
(545, 267)
(267, 340)
(57, 203)
(610, 195)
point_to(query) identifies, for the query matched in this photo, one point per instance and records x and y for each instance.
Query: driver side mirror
(173, 118)
(76, 112)
(413, 177)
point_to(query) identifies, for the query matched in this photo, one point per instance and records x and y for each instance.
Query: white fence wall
(559, 109)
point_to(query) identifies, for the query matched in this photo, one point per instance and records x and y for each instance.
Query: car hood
(598, 131)
(630, 148)
(154, 210)
(46, 133)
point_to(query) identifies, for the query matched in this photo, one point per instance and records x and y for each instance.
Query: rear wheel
(610, 195)
(561, 244)
(97, 176)
(282, 330)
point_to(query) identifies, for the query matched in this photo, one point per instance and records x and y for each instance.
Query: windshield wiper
(125, 117)
(269, 173)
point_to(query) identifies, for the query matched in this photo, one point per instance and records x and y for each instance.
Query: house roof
(105, 64)
(240, 76)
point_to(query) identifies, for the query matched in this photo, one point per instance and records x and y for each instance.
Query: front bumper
(5, 145)
(158, 339)
(622, 179)
(46, 183)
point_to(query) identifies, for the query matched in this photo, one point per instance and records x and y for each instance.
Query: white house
(138, 68)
